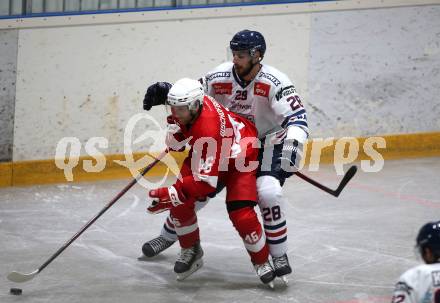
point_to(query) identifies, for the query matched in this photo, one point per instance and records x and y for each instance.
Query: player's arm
(287, 103)
(203, 180)
(205, 161)
(185, 189)
(403, 293)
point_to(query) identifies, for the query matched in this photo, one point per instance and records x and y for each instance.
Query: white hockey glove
(293, 148)
(174, 139)
(164, 198)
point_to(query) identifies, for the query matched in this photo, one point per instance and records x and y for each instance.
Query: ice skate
(156, 246)
(189, 261)
(266, 273)
(282, 267)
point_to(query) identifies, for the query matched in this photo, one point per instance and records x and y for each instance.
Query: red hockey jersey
(221, 142)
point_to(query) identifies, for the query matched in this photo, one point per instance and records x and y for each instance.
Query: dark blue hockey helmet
(248, 40)
(429, 236)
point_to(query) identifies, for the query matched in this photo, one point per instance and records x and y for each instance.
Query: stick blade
(348, 176)
(20, 278)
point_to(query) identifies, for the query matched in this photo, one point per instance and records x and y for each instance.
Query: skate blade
(284, 279)
(195, 267)
(271, 285)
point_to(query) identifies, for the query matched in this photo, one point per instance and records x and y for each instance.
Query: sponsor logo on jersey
(436, 278)
(240, 107)
(271, 78)
(261, 89)
(222, 88)
(285, 91)
(218, 75)
(221, 115)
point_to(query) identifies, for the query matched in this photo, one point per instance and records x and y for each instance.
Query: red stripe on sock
(276, 234)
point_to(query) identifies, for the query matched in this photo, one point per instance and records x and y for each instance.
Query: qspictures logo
(68, 150)
(344, 150)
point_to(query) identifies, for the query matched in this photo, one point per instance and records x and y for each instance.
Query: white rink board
(375, 72)
(88, 81)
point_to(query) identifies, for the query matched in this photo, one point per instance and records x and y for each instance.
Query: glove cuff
(296, 133)
(175, 198)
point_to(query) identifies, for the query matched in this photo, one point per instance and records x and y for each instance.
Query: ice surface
(346, 249)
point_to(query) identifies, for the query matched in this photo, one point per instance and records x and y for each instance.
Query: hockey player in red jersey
(223, 153)
(421, 284)
(266, 96)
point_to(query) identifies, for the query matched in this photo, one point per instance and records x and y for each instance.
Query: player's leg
(240, 202)
(245, 221)
(185, 224)
(168, 235)
(272, 203)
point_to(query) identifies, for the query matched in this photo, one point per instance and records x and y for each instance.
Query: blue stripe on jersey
(297, 122)
(273, 227)
(276, 241)
(303, 111)
(287, 119)
(169, 230)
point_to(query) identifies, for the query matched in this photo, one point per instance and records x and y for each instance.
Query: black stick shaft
(347, 177)
(350, 174)
(109, 204)
(313, 182)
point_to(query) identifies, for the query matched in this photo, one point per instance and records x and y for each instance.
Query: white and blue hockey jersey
(420, 284)
(270, 100)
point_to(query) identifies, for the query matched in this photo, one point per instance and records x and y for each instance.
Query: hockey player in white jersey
(421, 284)
(267, 97)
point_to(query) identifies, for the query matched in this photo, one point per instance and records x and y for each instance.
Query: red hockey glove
(164, 198)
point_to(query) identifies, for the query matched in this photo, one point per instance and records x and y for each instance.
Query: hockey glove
(156, 94)
(164, 198)
(175, 140)
(290, 153)
(292, 150)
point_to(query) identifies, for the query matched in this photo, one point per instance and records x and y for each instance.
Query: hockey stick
(20, 277)
(347, 177)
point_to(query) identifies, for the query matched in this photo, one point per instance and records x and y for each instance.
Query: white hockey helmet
(186, 92)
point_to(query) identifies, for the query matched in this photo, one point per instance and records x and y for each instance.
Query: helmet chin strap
(249, 71)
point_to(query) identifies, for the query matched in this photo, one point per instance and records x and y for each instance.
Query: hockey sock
(185, 223)
(246, 222)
